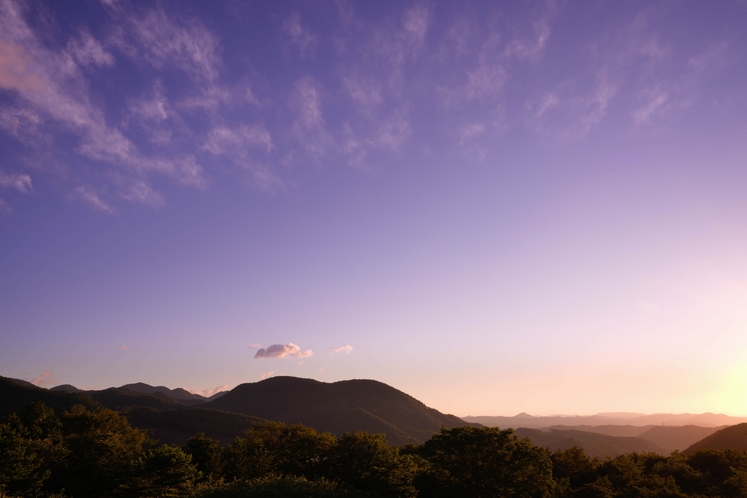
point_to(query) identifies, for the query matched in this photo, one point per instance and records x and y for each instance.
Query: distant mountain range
(179, 394)
(595, 444)
(633, 419)
(174, 415)
(618, 439)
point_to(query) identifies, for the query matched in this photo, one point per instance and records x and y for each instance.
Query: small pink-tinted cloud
(342, 349)
(46, 378)
(282, 351)
(267, 375)
(254, 345)
(125, 347)
(209, 391)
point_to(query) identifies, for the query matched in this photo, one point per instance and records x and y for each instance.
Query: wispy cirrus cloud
(282, 351)
(713, 55)
(574, 116)
(267, 375)
(18, 181)
(198, 106)
(300, 36)
(89, 195)
(525, 48)
(656, 103)
(347, 349)
(88, 51)
(56, 98)
(163, 40)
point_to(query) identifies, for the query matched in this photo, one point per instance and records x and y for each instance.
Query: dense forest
(87, 452)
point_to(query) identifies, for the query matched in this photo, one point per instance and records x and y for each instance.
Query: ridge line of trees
(96, 453)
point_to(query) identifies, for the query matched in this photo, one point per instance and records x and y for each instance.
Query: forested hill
(339, 407)
(16, 395)
(728, 438)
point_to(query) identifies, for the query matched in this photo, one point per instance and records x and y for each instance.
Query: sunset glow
(495, 207)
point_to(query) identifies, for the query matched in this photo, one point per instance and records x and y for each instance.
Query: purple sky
(493, 206)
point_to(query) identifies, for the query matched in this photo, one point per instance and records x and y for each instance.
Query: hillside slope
(729, 438)
(339, 407)
(677, 438)
(16, 395)
(594, 444)
(176, 426)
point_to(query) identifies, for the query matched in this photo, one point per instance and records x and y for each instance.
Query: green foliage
(165, 471)
(102, 448)
(472, 461)
(273, 486)
(20, 467)
(205, 453)
(96, 453)
(367, 462)
(273, 447)
(572, 466)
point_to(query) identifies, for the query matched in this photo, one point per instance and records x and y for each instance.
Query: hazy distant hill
(180, 394)
(116, 398)
(140, 394)
(667, 437)
(339, 407)
(609, 430)
(16, 395)
(729, 438)
(595, 445)
(176, 426)
(634, 419)
(677, 438)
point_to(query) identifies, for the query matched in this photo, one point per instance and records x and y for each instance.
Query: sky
(495, 207)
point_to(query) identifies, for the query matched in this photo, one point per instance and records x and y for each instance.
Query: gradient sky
(493, 206)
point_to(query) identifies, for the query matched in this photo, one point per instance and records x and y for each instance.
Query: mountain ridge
(338, 407)
(707, 419)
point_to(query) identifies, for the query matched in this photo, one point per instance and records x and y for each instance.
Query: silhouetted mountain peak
(66, 388)
(339, 407)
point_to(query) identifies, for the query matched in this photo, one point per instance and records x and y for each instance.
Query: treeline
(96, 453)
